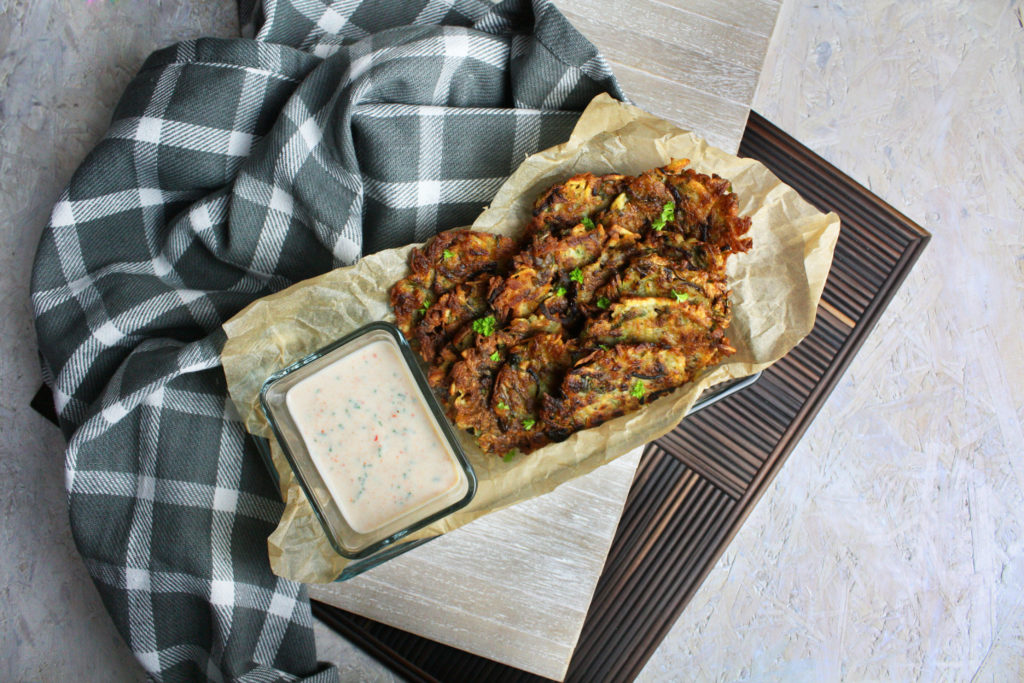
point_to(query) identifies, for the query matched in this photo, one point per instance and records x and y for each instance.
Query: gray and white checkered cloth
(233, 168)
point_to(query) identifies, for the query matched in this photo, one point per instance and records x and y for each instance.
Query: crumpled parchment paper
(775, 290)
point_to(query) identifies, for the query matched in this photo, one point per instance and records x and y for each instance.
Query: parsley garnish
(638, 389)
(485, 326)
(588, 223)
(424, 307)
(680, 297)
(502, 405)
(576, 275)
(528, 423)
(508, 456)
(446, 254)
(603, 347)
(560, 291)
(668, 213)
(603, 302)
(495, 356)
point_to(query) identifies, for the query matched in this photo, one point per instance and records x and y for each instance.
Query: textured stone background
(890, 546)
(62, 67)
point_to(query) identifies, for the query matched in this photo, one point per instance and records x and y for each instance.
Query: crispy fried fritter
(453, 310)
(532, 369)
(565, 205)
(654, 275)
(648, 319)
(533, 270)
(469, 394)
(702, 206)
(466, 338)
(449, 259)
(471, 374)
(618, 295)
(618, 248)
(614, 381)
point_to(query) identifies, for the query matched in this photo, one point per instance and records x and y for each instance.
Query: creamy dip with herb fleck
(372, 438)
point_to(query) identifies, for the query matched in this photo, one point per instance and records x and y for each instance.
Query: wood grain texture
(513, 586)
(61, 84)
(695, 63)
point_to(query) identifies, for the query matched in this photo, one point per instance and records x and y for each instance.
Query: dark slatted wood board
(695, 486)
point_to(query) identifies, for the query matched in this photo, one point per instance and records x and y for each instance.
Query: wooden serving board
(695, 486)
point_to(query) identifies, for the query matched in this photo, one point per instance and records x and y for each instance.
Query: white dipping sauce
(372, 438)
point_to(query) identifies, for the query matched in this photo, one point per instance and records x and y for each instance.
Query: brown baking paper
(775, 289)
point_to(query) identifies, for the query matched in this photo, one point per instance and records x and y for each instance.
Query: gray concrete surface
(62, 67)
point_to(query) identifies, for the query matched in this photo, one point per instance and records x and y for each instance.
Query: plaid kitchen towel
(231, 169)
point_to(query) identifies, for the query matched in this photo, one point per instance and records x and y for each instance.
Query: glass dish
(364, 497)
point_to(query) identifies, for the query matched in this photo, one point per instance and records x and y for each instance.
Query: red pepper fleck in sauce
(339, 407)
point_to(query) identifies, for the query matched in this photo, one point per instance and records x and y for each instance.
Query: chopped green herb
(424, 307)
(560, 291)
(588, 223)
(603, 347)
(680, 297)
(730, 187)
(508, 456)
(603, 302)
(528, 423)
(485, 326)
(447, 254)
(502, 405)
(668, 213)
(638, 389)
(495, 356)
(576, 275)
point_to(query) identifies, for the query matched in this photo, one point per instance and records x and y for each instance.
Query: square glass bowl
(368, 442)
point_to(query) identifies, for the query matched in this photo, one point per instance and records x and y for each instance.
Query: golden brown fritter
(616, 295)
(678, 199)
(469, 394)
(564, 206)
(653, 275)
(532, 369)
(534, 270)
(449, 259)
(453, 310)
(611, 382)
(619, 246)
(648, 319)
(467, 337)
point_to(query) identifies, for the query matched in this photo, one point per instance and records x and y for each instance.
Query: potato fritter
(534, 269)
(616, 380)
(615, 295)
(449, 259)
(451, 311)
(563, 206)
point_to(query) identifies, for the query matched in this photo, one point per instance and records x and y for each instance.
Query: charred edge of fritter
(564, 205)
(459, 255)
(409, 301)
(453, 310)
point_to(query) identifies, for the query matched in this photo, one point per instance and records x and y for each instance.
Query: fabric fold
(231, 169)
